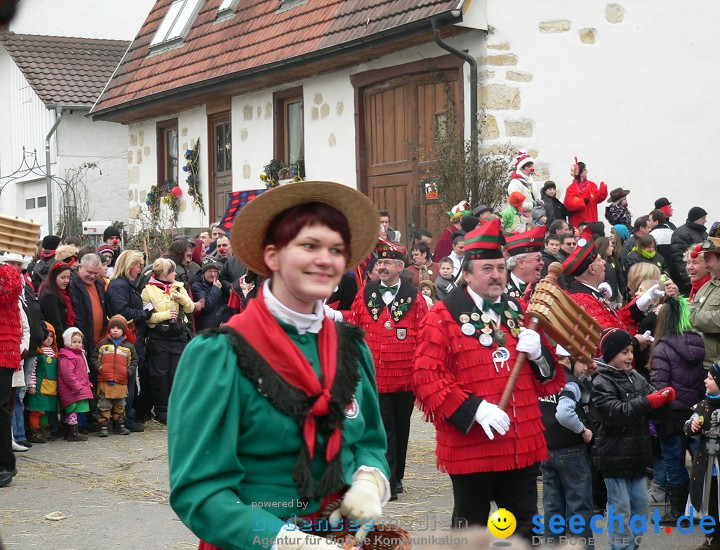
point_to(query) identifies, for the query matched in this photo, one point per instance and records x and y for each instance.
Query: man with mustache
(467, 347)
(390, 312)
(525, 263)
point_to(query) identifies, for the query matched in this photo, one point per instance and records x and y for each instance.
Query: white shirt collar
(303, 322)
(479, 303)
(388, 296)
(518, 282)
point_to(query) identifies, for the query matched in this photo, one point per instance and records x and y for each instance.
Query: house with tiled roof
(51, 77)
(355, 90)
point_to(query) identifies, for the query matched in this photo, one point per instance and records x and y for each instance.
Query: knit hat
(209, 263)
(696, 213)
(662, 201)
(537, 213)
(111, 231)
(583, 255)
(623, 231)
(468, 223)
(548, 185)
(105, 249)
(51, 242)
(480, 210)
(68, 334)
(525, 243)
(613, 342)
(391, 251)
(516, 199)
(484, 242)
(118, 321)
(714, 371)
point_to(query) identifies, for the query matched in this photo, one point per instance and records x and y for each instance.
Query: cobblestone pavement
(114, 494)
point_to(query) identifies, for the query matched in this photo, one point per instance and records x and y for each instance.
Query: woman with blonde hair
(123, 298)
(638, 273)
(167, 332)
(696, 268)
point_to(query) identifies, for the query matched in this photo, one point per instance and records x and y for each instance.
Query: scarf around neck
(697, 285)
(277, 349)
(165, 286)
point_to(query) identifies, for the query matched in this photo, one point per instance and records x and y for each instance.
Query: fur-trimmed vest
(453, 370)
(391, 332)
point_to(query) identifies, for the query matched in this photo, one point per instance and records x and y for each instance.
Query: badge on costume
(353, 409)
(401, 333)
(475, 316)
(500, 336)
(388, 324)
(512, 306)
(467, 329)
(464, 318)
(486, 340)
(500, 358)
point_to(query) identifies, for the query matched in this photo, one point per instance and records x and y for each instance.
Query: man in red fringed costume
(390, 311)
(468, 345)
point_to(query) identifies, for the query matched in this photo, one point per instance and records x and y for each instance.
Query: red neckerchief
(159, 284)
(697, 285)
(47, 253)
(278, 350)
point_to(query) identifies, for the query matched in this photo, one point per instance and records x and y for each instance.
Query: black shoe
(393, 496)
(135, 427)
(93, 427)
(25, 443)
(6, 477)
(399, 487)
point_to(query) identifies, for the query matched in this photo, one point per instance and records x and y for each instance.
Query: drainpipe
(436, 25)
(58, 116)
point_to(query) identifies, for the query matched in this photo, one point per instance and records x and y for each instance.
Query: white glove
(647, 334)
(529, 342)
(361, 502)
(296, 539)
(647, 299)
(333, 314)
(606, 290)
(489, 415)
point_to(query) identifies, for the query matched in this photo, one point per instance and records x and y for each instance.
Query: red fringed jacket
(454, 372)
(390, 332)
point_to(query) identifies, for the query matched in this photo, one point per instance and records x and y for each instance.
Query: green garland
(193, 179)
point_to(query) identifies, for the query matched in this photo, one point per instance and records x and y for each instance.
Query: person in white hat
(522, 181)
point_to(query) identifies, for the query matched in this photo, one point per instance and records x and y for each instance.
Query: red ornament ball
(177, 191)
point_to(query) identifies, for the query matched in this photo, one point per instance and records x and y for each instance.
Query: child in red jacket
(73, 382)
(116, 362)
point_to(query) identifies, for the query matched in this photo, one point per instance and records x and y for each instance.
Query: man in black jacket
(87, 295)
(692, 232)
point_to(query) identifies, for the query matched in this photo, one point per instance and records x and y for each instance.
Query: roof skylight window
(177, 22)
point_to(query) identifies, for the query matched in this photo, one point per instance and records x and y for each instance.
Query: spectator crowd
(92, 337)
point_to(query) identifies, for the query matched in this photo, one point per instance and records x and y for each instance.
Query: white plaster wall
(107, 19)
(141, 163)
(641, 106)
(82, 141)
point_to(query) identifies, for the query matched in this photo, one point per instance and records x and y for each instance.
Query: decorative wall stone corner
(339, 108)
(588, 36)
(246, 171)
(146, 151)
(332, 141)
(268, 110)
(550, 27)
(518, 76)
(499, 97)
(502, 59)
(247, 112)
(484, 75)
(243, 134)
(141, 138)
(489, 128)
(503, 46)
(614, 13)
(133, 140)
(318, 99)
(542, 172)
(315, 113)
(324, 110)
(259, 111)
(518, 128)
(138, 158)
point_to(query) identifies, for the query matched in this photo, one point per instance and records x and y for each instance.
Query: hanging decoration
(172, 200)
(192, 167)
(277, 170)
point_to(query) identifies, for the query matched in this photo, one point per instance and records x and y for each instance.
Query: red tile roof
(63, 70)
(258, 37)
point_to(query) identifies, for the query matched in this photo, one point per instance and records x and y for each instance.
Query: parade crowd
(102, 332)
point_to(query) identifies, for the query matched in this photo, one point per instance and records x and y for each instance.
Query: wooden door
(400, 118)
(220, 164)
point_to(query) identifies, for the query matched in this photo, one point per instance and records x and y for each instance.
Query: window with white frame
(227, 5)
(177, 22)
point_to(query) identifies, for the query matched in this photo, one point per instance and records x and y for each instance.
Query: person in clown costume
(275, 415)
(467, 347)
(522, 181)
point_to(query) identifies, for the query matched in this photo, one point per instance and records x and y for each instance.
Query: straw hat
(252, 222)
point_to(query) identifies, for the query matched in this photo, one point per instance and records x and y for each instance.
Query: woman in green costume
(275, 415)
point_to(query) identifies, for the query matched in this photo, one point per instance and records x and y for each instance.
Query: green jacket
(232, 454)
(705, 317)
